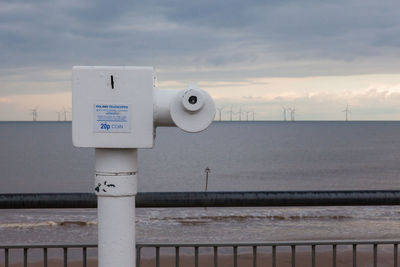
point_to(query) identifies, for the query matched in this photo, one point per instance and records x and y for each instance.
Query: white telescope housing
(116, 110)
(119, 107)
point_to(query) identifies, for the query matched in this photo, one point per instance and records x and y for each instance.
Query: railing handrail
(222, 244)
(210, 199)
(273, 243)
(19, 246)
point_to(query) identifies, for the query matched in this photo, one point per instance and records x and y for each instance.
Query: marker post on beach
(116, 111)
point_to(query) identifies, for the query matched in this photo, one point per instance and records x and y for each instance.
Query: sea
(38, 157)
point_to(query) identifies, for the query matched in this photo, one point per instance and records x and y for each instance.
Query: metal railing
(273, 247)
(26, 248)
(212, 199)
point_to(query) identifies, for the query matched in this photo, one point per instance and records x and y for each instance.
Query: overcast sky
(315, 56)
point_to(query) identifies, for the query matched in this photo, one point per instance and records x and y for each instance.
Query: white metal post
(116, 187)
(116, 110)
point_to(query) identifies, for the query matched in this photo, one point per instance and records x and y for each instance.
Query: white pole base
(116, 187)
(116, 234)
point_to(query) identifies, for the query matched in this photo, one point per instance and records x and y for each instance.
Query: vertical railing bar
(157, 256)
(215, 256)
(235, 256)
(84, 256)
(138, 252)
(313, 255)
(44, 257)
(215, 247)
(6, 252)
(334, 255)
(25, 257)
(293, 255)
(65, 257)
(176, 256)
(254, 256)
(196, 256)
(273, 256)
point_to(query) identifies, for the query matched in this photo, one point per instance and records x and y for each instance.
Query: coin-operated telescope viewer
(116, 111)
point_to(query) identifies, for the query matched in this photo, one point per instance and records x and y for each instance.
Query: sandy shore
(303, 259)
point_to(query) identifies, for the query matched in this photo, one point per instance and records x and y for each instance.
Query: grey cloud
(269, 38)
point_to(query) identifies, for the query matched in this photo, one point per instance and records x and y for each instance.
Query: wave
(47, 224)
(243, 218)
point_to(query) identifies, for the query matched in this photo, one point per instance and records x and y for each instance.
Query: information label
(112, 118)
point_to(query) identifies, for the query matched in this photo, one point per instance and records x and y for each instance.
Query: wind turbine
(65, 112)
(253, 115)
(284, 112)
(247, 114)
(34, 113)
(240, 114)
(220, 111)
(58, 115)
(230, 113)
(347, 110)
(292, 113)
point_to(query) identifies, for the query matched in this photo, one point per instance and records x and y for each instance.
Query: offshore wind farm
(289, 114)
(223, 113)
